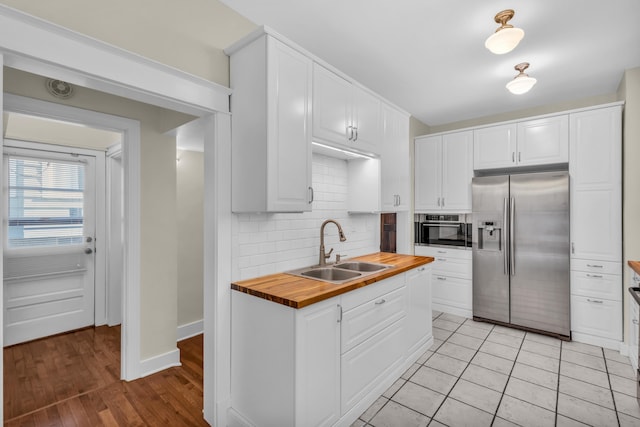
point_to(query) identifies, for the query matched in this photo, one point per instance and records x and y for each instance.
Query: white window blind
(46, 202)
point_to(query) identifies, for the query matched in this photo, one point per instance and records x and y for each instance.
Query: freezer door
(540, 287)
(489, 243)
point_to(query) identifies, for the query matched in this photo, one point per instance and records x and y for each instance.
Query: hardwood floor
(73, 380)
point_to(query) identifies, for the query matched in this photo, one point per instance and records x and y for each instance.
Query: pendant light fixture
(521, 83)
(506, 37)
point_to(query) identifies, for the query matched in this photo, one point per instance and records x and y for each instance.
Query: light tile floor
(478, 374)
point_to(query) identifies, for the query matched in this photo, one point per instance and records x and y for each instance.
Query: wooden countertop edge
(274, 287)
(635, 266)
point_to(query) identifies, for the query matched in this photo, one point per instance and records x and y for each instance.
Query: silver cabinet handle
(422, 269)
(340, 313)
(595, 276)
(380, 302)
(573, 248)
(311, 195)
(505, 209)
(88, 251)
(398, 200)
(442, 252)
(595, 266)
(597, 301)
(513, 157)
(519, 156)
(441, 278)
(442, 259)
(512, 236)
(443, 202)
(438, 201)
(350, 131)
(356, 137)
(635, 321)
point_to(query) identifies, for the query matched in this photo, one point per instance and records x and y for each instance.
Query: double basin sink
(340, 273)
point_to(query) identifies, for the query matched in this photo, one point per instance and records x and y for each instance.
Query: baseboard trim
(597, 341)
(189, 330)
(160, 362)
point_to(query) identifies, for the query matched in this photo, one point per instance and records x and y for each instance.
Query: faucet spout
(323, 255)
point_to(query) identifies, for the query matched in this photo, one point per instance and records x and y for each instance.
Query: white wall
(271, 243)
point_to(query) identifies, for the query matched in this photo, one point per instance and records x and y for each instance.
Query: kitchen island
(312, 353)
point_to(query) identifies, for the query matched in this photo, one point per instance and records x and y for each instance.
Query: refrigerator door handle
(505, 210)
(512, 248)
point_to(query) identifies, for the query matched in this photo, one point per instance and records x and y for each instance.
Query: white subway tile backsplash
(270, 243)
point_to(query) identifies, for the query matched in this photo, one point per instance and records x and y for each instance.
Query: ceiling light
(521, 83)
(506, 37)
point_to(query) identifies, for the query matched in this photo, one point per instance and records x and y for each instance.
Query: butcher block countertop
(635, 266)
(299, 292)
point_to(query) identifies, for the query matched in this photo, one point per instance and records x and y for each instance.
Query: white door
(49, 244)
(457, 171)
(428, 173)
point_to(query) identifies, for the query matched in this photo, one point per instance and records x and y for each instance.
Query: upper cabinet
(443, 172)
(395, 161)
(528, 143)
(344, 113)
(271, 127)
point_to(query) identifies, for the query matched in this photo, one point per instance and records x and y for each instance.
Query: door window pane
(46, 201)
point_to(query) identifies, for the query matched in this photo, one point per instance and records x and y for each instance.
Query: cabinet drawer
(596, 285)
(452, 291)
(365, 365)
(594, 316)
(371, 317)
(453, 267)
(443, 252)
(594, 266)
(363, 295)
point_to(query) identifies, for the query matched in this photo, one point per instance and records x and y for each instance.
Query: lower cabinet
(451, 282)
(634, 322)
(325, 364)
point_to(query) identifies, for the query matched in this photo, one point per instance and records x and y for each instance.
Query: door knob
(88, 251)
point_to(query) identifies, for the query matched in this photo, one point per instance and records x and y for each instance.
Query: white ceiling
(428, 56)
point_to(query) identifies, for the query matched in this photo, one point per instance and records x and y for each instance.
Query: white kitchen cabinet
(344, 113)
(418, 309)
(634, 321)
(535, 142)
(595, 168)
(451, 279)
(326, 363)
(395, 161)
(596, 226)
(271, 136)
(363, 185)
(443, 172)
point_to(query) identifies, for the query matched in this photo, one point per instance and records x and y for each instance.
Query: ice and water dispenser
(490, 235)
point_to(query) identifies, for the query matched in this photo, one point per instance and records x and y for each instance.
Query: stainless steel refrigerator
(521, 251)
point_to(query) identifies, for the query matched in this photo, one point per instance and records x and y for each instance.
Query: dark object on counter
(388, 232)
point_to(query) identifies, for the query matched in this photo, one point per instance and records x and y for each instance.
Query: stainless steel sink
(340, 273)
(362, 266)
(331, 274)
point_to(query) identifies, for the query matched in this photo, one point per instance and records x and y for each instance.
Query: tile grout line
(613, 397)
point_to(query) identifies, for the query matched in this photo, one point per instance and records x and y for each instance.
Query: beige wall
(190, 210)
(519, 114)
(629, 92)
(188, 35)
(158, 202)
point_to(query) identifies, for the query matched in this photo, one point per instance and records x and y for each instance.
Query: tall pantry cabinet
(595, 167)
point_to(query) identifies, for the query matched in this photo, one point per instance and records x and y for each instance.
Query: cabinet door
(457, 171)
(494, 147)
(452, 292)
(366, 121)
(396, 186)
(594, 316)
(289, 114)
(331, 106)
(428, 173)
(543, 141)
(419, 307)
(596, 184)
(318, 364)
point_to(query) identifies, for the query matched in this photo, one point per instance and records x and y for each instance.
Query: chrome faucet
(323, 256)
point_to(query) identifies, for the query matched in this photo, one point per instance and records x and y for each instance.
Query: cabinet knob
(596, 301)
(380, 302)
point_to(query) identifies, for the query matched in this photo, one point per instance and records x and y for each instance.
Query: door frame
(47, 49)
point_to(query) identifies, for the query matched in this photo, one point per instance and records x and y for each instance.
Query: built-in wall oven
(443, 230)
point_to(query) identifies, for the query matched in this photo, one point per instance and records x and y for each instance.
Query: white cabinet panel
(366, 120)
(452, 292)
(396, 184)
(597, 267)
(418, 287)
(364, 366)
(271, 147)
(596, 285)
(543, 141)
(494, 147)
(443, 172)
(331, 106)
(597, 317)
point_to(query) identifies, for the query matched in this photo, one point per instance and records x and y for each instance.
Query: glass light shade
(521, 84)
(504, 40)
